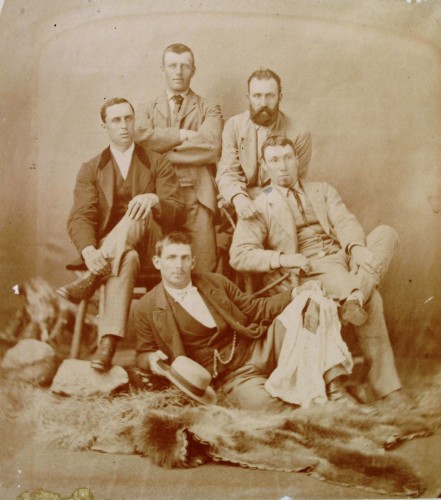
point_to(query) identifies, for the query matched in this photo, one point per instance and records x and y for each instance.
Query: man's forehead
(176, 249)
(121, 109)
(263, 84)
(278, 150)
(174, 57)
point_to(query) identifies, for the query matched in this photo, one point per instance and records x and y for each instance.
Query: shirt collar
(285, 190)
(170, 94)
(124, 154)
(179, 292)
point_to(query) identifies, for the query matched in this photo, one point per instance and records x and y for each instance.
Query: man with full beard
(239, 176)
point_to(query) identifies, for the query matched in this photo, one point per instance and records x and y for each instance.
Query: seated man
(305, 226)
(208, 319)
(123, 198)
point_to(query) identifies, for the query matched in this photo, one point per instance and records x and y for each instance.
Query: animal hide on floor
(332, 442)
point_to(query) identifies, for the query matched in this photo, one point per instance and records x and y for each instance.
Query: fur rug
(332, 442)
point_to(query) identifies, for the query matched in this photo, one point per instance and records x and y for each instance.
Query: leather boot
(336, 391)
(102, 360)
(352, 312)
(82, 288)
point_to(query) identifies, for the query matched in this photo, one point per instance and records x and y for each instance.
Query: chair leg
(78, 329)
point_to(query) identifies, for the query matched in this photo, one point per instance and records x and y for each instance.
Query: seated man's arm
(345, 224)
(257, 309)
(203, 146)
(170, 211)
(247, 251)
(159, 139)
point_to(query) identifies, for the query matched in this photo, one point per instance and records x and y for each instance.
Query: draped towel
(307, 354)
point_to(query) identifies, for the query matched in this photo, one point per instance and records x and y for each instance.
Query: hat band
(188, 385)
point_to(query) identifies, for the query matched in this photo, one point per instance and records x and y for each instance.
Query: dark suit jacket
(156, 327)
(93, 195)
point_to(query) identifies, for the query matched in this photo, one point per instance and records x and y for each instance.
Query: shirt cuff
(275, 260)
(350, 246)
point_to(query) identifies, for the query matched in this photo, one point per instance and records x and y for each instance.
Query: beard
(264, 116)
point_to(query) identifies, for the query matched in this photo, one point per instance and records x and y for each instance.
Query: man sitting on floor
(207, 318)
(123, 198)
(303, 225)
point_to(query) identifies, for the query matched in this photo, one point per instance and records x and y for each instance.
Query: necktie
(177, 99)
(299, 202)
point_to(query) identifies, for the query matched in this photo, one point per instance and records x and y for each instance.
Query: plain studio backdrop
(364, 77)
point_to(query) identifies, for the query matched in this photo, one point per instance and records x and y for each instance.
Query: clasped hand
(154, 357)
(244, 206)
(364, 258)
(139, 207)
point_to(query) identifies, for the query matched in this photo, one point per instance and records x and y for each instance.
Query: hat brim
(209, 398)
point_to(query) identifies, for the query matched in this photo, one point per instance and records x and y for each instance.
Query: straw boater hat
(190, 377)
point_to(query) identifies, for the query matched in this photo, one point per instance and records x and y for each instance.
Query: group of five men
(167, 173)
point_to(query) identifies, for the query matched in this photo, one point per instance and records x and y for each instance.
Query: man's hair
(265, 74)
(177, 48)
(277, 140)
(176, 237)
(112, 102)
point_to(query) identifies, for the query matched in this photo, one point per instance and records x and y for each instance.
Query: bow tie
(181, 294)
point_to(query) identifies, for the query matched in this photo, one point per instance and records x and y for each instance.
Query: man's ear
(193, 72)
(156, 262)
(280, 96)
(193, 263)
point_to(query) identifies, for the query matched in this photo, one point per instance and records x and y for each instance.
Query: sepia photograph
(220, 234)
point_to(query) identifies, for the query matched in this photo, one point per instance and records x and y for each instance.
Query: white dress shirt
(123, 159)
(190, 299)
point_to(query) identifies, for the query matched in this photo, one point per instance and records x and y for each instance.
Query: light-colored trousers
(120, 246)
(373, 336)
(245, 386)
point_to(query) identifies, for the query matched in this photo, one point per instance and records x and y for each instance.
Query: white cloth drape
(306, 355)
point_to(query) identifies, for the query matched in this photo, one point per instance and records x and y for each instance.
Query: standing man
(306, 226)
(239, 176)
(187, 129)
(123, 198)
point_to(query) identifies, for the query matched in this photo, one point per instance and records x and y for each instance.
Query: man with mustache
(239, 176)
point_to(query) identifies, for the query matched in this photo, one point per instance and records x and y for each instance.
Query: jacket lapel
(283, 216)
(315, 196)
(165, 323)
(105, 176)
(248, 148)
(141, 174)
(188, 105)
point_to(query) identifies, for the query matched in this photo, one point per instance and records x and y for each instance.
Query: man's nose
(178, 70)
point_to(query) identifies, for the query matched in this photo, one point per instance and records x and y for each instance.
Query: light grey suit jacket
(198, 154)
(238, 167)
(257, 240)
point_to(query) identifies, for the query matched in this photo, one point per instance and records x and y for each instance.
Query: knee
(387, 233)
(131, 260)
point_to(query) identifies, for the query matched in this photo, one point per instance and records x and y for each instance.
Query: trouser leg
(199, 225)
(382, 241)
(124, 236)
(116, 297)
(245, 386)
(376, 348)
